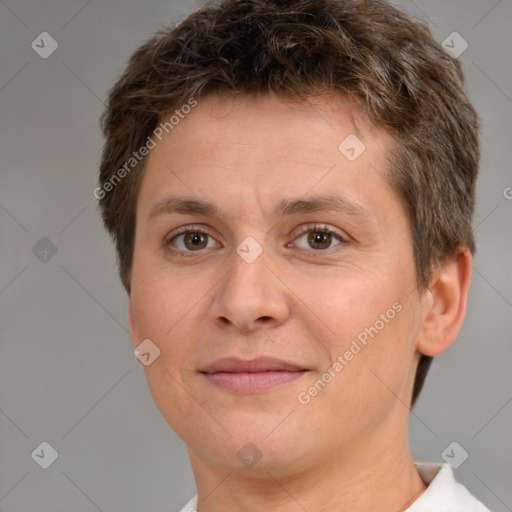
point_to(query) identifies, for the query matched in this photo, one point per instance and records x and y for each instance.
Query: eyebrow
(286, 207)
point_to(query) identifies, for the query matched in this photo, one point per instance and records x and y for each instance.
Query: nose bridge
(249, 293)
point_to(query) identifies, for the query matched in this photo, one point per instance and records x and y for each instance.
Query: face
(273, 269)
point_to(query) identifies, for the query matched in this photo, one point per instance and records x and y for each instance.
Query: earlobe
(445, 304)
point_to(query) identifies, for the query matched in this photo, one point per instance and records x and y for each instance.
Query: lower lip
(252, 382)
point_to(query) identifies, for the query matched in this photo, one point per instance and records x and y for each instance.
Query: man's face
(274, 273)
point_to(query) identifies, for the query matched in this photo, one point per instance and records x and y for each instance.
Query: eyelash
(307, 228)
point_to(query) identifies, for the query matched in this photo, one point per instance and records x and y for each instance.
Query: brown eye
(319, 240)
(191, 240)
(194, 241)
(319, 237)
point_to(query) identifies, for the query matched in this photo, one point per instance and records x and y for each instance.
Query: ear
(444, 305)
(134, 331)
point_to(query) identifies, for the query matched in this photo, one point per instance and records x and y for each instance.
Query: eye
(319, 237)
(189, 239)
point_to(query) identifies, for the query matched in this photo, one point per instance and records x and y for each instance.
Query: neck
(367, 476)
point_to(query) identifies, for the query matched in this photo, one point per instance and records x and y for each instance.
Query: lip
(253, 376)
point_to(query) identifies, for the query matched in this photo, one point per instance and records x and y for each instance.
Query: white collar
(444, 493)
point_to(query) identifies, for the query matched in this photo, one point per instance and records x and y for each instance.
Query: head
(247, 105)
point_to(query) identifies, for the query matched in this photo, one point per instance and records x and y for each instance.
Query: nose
(250, 296)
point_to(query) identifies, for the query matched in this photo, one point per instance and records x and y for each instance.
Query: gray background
(67, 371)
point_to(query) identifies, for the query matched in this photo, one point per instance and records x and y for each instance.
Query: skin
(301, 301)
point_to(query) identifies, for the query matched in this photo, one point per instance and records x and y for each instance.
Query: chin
(255, 441)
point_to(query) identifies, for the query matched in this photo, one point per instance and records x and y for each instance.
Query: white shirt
(443, 493)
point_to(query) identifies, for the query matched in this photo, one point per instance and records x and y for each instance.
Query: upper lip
(260, 364)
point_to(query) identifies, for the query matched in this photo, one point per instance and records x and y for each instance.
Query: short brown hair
(367, 49)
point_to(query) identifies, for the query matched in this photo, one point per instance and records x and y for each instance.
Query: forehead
(266, 149)
(266, 121)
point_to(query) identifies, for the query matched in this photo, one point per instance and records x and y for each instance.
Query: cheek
(164, 313)
(371, 326)
(380, 373)
(161, 301)
(171, 310)
(345, 305)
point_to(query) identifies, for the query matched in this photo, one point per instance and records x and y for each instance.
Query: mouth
(256, 375)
